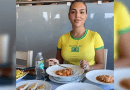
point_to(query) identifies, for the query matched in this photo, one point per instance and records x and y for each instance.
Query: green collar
(80, 37)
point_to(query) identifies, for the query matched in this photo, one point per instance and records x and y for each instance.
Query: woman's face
(77, 14)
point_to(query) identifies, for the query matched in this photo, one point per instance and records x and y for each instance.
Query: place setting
(60, 74)
(70, 76)
(103, 77)
(26, 80)
(33, 85)
(74, 77)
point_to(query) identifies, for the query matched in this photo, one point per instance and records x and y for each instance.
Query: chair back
(28, 56)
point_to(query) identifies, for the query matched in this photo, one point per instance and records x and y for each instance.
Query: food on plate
(41, 87)
(32, 86)
(105, 78)
(19, 73)
(125, 83)
(64, 72)
(23, 87)
(31, 71)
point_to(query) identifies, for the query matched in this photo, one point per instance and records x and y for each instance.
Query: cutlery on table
(55, 63)
(60, 65)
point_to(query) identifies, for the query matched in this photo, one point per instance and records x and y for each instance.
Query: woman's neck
(78, 32)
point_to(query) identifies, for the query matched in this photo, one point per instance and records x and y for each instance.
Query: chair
(28, 56)
(105, 57)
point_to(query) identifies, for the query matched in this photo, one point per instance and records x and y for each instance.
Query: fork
(55, 63)
(60, 65)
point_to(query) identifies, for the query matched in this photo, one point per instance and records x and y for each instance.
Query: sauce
(105, 78)
(64, 72)
(125, 83)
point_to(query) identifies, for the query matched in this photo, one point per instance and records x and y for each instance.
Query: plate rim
(77, 83)
(98, 82)
(65, 76)
(53, 80)
(22, 76)
(33, 82)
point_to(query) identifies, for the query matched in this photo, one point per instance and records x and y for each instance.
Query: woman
(80, 46)
(121, 36)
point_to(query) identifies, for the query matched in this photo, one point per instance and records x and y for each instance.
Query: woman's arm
(124, 51)
(59, 57)
(99, 60)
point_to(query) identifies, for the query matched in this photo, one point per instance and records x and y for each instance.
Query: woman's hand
(85, 65)
(52, 61)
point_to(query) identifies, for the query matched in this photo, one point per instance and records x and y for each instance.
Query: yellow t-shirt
(73, 50)
(121, 24)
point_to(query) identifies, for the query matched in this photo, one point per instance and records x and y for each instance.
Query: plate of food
(20, 74)
(105, 77)
(31, 70)
(70, 71)
(33, 85)
(78, 86)
(122, 79)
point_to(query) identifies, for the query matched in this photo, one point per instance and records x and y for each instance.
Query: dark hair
(78, 1)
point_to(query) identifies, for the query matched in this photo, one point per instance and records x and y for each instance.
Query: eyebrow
(80, 9)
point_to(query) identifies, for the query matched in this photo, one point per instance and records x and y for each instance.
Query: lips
(77, 20)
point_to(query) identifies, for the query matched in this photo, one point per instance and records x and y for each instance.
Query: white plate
(91, 75)
(120, 74)
(47, 85)
(78, 86)
(66, 79)
(59, 81)
(22, 77)
(77, 70)
(9, 87)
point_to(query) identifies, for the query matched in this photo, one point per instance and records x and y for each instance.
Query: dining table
(55, 85)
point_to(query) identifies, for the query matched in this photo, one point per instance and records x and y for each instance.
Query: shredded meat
(64, 72)
(105, 78)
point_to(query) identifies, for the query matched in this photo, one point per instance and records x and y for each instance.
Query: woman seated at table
(81, 46)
